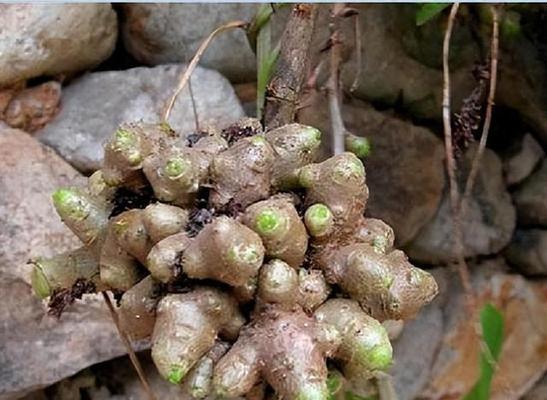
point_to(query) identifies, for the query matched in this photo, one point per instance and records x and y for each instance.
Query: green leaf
(261, 18)
(428, 11)
(510, 25)
(492, 336)
(334, 383)
(266, 59)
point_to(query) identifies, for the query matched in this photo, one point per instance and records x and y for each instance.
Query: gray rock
(538, 392)
(393, 72)
(531, 198)
(522, 161)
(488, 223)
(93, 107)
(404, 170)
(50, 39)
(402, 64)
(37, 350)
(171, 33)
(528, 251)
(522, 304)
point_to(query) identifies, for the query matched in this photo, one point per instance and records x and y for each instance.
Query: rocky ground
(70, 74)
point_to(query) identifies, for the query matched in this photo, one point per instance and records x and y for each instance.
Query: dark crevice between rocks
(120, 59)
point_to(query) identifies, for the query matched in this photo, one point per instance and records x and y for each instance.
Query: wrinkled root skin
(365, 347)
(386, 286)
(285, 347)
(137, 312)
(226, 246)
(187, 327)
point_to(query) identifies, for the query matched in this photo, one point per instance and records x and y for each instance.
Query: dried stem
(450, 161)
(194, 62)
(338, 129)
(194, 108)
(494, 45)
(359, 54)
(130, 352)
(292, 66)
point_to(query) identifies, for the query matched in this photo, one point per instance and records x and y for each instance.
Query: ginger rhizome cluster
(249, 265)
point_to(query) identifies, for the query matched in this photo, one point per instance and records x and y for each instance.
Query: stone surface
(171, 33)
(488, 222)
(531, 198)
(34, 107)
(405, 167)
(402, 63)
(94, 105)
(521, 162)
(114, 380)
(523, 358)
(415, 350)
(538, 392)
(528, 251)
(51, 39)
(394, 69)
(37, 350)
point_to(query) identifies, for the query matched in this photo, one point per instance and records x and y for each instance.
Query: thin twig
(359, 55)
(450, 161)
(338, 129)
(127, 344)
(196, 118)
(194, 62)
(488, 115)
(311, 83)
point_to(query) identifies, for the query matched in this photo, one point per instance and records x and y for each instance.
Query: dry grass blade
(127, 344)
(194, 108)
(195, 60)
(488, 115)
(450, 161)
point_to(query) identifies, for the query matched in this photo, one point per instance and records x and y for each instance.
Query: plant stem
(494, 45)
(194, 108)
(291, 69)
(338, 129)
(450, 161)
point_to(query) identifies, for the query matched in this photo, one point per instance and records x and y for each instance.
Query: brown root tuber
(287, 348)
(199, 382)
(386, 286)
(295, 146)
(187, 326)
(164, 260)
(191, 231)
(338, 183)
(365, 347)
(137, 313)
(225, 250)
(279, 226)
(63, 271)
(129, 146)
(241, 175)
